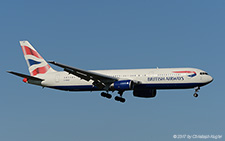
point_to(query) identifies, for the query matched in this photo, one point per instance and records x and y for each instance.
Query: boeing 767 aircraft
(143, 82)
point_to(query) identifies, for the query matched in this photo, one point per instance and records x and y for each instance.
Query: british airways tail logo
(38, 68)
(33, 62)
(191, 73)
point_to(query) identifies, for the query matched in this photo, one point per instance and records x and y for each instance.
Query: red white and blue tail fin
(36, 64)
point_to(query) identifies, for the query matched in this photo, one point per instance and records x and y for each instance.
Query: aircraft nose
(210, 79)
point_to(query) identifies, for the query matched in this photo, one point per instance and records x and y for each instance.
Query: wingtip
(9, 71)
(52, 62)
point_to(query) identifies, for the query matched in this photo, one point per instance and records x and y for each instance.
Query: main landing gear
(117, 98)
(109, 96)
(196, 90)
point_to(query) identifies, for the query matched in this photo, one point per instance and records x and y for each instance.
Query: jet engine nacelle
(122, 85)
(145, 93)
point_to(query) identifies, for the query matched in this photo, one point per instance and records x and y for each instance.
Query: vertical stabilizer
(36, 64)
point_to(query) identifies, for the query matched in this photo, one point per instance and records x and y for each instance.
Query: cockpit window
(204, 73)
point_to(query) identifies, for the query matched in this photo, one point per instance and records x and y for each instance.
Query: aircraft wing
(25, 76)
(100, 80)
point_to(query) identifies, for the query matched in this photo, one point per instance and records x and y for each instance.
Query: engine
(144, 92)
(122, 85)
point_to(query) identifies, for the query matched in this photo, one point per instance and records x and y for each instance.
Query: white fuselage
(166, 78)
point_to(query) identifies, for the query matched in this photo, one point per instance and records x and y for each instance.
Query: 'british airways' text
(165, 78)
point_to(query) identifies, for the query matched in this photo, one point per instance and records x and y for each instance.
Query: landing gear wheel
(120, 99)
(103, 94)
(109, 96)
(195, 95)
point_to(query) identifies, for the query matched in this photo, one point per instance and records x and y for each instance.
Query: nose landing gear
(196, 90)
(195, 95)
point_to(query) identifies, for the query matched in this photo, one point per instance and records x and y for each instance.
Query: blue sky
(112, 35)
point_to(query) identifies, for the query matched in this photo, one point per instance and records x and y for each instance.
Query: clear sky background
(112, 35)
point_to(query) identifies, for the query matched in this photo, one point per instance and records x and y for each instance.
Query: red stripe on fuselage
(184, 72)
(40, 70)
(29, 51)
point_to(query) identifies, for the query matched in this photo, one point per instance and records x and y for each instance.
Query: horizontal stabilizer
(25, 76)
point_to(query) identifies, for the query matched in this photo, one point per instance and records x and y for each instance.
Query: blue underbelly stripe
(150, 86)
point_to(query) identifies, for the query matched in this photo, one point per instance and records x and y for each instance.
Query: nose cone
(210, 79)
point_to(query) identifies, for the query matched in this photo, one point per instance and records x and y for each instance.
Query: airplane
(143, 82)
